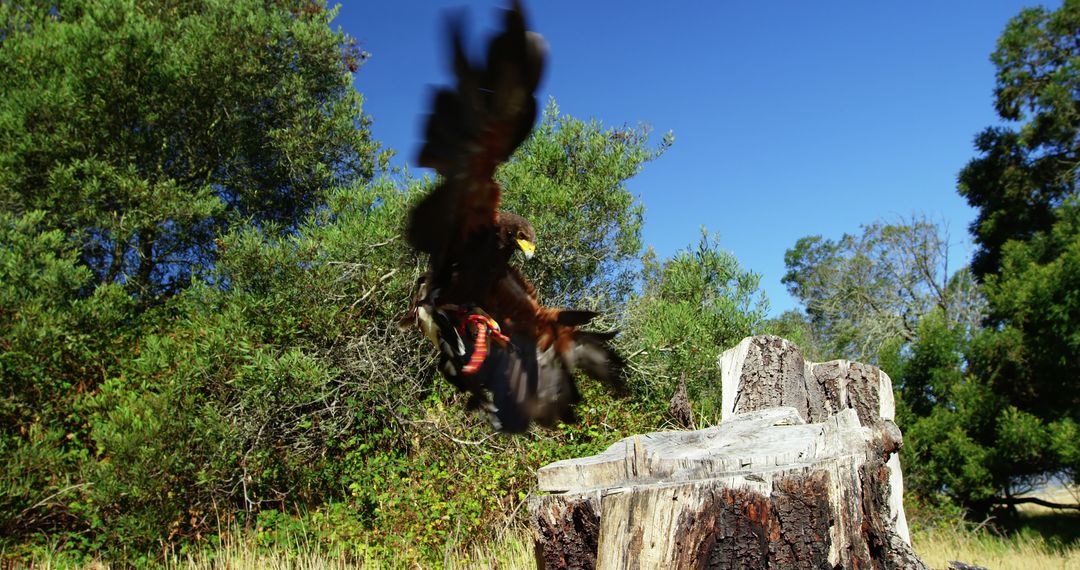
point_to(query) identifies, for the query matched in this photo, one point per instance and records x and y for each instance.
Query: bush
(277, 393)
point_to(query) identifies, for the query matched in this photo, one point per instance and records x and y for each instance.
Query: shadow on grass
(1057, 527)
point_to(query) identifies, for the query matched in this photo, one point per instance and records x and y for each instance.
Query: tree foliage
(1024, 174)
(1024, 186)
(144, 129)
(569, 180)
(989, 411)
(280, 384)
(692, 307)
(965, 438)
(862, 292)
(201, 273)
(56, 343)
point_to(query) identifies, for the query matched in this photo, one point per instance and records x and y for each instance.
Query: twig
(385, 276)
(985, 522)
(382, 243)
(438, 429)
(42, 502)
(513, 514)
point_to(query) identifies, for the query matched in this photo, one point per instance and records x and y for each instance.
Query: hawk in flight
(496, 341)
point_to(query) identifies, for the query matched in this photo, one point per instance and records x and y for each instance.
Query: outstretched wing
(473, 127)
(517, 383)
(527, 374)
(514, 356)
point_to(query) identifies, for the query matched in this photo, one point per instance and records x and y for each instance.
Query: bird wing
(496, 341)
(527, 354)
(531, 379)
(474, 127)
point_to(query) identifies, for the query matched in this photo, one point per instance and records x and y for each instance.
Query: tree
(144, 130)
(136, 137)
(298, 371)
(1025, 174)
(693, 306)
(994, 414)
(569, 180)
(965, 438)
(862, 292)
(56, 343)
(1024, 186)
(281, 383)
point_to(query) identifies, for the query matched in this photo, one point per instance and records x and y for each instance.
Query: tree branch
(1036, 501)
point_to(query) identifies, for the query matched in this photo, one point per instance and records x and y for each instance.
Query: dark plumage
(514, 356)
(472, 129)
(529, 378)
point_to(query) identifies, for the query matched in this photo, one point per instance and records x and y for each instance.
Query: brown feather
(472, 129)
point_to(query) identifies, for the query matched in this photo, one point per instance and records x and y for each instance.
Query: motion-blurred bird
(515, 356)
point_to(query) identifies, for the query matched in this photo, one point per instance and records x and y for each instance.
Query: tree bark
(800, 473)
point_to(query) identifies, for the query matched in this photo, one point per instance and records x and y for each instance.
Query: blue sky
(790, 118)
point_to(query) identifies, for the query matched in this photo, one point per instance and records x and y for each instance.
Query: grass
(936, 547)
(513, 551)
(1023, 550)
(1040, 538)
(1020, 552)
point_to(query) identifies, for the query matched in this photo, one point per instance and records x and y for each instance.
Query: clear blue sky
(790, 118)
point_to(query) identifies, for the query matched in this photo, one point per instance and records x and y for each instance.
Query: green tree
(994, 414)
(966, 439)
(1024, 187)
(1024, 174)
(943, 413)
(200, 278)
(692, 307)
(972, 434)
(569, 180)
(259, 396)
(313, 395)
(56, 344)
(864, 293)
(281, 383)
(144, 129)
(137, 136)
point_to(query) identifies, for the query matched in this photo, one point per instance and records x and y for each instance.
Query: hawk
(514, 356)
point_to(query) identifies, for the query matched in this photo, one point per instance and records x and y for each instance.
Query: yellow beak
(527, 247)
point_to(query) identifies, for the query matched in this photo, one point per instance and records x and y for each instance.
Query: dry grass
(1022, 551)
(938, 547)
(512, 552)
(246, 558)
(1041, 538)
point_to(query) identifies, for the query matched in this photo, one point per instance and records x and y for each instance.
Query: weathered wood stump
(802, 472)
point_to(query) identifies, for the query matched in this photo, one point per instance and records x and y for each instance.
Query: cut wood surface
(800, 473)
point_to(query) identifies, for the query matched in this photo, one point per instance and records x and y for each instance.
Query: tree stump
(802, 472)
